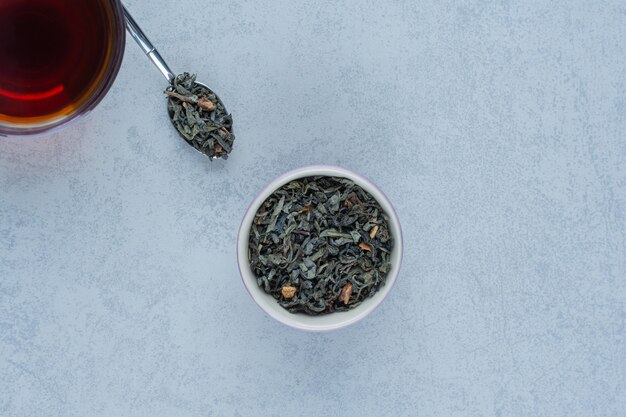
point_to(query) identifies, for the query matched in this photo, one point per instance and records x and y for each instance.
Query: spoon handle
(145, 44)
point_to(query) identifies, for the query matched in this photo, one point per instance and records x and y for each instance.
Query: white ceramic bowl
(334, 320)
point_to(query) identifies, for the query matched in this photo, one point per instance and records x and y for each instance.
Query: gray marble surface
(496, 129)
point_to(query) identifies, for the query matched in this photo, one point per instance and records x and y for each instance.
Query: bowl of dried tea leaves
(319, 248)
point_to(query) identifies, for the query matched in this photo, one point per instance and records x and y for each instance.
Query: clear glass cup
(67, 36)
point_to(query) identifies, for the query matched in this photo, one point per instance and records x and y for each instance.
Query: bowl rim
(284, 316)
(112, 70)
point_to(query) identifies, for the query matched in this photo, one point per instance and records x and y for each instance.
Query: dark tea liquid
(53, 54)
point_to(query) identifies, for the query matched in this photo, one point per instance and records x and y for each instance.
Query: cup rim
(268, 304)
(96, 97)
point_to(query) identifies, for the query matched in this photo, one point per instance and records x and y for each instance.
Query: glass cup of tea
(58, 59)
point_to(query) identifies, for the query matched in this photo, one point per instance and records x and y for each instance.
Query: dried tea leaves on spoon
(200, 117)
(320, 244)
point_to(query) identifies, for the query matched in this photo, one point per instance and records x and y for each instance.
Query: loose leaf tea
(320, 244)
(200, 117)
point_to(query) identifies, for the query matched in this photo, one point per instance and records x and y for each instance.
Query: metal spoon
(154, 55)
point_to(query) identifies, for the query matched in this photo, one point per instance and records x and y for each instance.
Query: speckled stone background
(496, 129)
